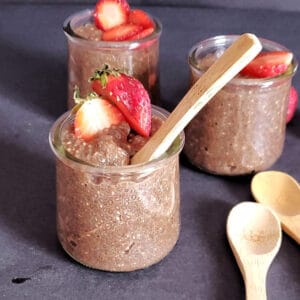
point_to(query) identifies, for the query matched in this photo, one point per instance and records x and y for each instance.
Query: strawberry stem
(103, 73)
(78, 99)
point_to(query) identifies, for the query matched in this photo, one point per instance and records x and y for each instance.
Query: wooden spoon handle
(235, 58)
(255, 276)
(255, 269)
(256, 285)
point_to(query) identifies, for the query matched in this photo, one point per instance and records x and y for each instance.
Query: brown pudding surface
(89, 32)
(113, 146)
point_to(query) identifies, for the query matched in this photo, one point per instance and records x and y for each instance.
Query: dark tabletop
(33, 75)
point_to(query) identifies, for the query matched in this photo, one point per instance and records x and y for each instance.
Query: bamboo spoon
(281, 192)
(254, 235)
(235, 58)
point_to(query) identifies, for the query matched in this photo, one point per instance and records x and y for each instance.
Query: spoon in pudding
(254, 235)
(281, 192)
(233, 60)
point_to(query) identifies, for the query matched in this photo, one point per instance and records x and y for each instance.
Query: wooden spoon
(235, 58)
(254, 234)
(281, 192)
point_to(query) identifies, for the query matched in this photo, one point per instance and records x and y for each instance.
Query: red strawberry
(111, 13)
(293, 101)
(128, 94)
(268, 64)
(121, 32)
(140, 17)
(142, 34)
(95, 115)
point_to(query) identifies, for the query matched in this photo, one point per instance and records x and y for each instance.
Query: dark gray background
(33, 81)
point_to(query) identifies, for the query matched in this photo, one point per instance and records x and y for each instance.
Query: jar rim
(73, 162)
(226, 40)
(87, 14)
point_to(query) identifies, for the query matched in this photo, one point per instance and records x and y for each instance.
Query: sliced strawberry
(95, 115)
(128, 94)
(121, 32)
(268, 64)
(140, 17)
(142, 34)
(111, 13)
(293, 101)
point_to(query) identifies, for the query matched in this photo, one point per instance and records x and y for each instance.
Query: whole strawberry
(128, 94)
(293, 101)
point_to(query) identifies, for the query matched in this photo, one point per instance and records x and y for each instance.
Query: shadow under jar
(242, 129)
(87, 52)
(117, 218)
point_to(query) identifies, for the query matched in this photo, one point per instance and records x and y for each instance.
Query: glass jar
(117, 218)
(242, 129)
(138, 58)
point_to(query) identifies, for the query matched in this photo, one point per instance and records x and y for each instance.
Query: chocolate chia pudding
(110, 215)
(242, 129)
(87, 52)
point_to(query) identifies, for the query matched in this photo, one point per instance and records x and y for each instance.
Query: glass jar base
(124, 268)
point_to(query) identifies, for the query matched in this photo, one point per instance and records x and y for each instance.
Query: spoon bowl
(254, 235)
(281, 192)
